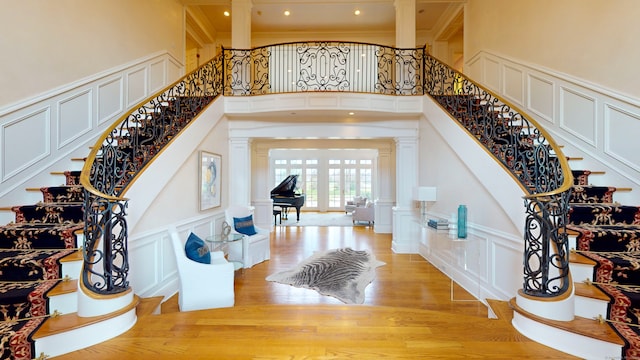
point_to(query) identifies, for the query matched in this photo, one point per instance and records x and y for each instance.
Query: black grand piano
(285, 197)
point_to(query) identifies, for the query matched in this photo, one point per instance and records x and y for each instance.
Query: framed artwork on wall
(210, 166)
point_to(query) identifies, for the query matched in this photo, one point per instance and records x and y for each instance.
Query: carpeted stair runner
(609, 234)
(30, 252)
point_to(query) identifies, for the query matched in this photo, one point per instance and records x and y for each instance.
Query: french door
(328, 178)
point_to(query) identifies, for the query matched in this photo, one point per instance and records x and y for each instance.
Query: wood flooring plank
(407, 314)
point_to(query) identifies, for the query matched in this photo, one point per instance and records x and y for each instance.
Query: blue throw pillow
(244, 225)
(197, 250)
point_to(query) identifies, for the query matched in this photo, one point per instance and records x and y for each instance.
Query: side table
(220, 242)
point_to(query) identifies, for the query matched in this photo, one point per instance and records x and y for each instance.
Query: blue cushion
(244, 225)
(197, 250)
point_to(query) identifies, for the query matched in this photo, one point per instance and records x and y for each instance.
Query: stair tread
(580, 259)
(75, 256)
(64, 287)
(579, 325)
(67, 322)
(590, 291)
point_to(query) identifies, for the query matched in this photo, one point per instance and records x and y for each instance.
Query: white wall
(489, 263)
(47, 44)
(74, 68)
(588, 39)
(590, 122)
(45, 134)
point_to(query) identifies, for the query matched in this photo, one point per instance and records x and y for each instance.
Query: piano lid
(286, 188)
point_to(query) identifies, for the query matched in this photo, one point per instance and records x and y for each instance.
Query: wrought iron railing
(515, 140)
(323, 66)
(119, 156)
(525, 149)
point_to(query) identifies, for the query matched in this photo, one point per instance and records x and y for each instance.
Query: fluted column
(405, 23)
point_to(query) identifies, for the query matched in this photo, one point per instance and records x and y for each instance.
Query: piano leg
(298, 214)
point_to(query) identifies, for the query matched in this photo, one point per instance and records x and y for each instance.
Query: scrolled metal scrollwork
(521, 146)
(323, 66)
(119, 156)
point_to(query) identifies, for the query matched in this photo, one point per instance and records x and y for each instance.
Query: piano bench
(277, 213)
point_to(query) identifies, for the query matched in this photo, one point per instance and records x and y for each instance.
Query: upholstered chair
(364, 213)
(256, 244)
(202, 285)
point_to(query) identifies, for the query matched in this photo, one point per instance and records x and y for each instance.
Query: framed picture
(210, 166)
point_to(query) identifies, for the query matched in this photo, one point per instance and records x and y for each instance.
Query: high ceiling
(325, 15)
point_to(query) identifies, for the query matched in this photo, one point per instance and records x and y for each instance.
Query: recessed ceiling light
(352, 113)
(357, 12)
(226, 13)
(287, 13)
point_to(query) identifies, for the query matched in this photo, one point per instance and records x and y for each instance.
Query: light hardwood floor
(408, 314)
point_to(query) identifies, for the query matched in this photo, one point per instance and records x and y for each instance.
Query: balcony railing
(513, 138)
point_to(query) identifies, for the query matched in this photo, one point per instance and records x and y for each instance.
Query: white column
(241, 24)
(239, 171)
(405, 228)
(405, 23)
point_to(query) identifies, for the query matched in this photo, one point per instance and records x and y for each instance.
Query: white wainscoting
(590, 121)
(488, 264)
(43, 133)
(152, 260)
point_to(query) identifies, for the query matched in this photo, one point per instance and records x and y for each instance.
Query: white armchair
(364, 213)
(357, 201)
(253, 249)
(202, 286)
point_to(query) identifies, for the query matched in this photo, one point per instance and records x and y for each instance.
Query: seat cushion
(244, 225)
(197, 250)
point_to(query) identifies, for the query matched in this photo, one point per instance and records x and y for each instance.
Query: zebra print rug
(340, 273)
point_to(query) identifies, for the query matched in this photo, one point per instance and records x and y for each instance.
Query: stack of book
(438, 224)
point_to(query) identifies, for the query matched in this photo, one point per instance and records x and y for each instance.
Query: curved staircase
(605, 266)
(40, 262)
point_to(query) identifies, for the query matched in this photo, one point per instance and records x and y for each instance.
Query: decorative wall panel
(157, 76)
(513, 85)
(110, 99)
(507, 271)
(621, 130)
(578, 114)
(25, 141)
(144, 256)
(74, 117)
(492, 74)
(540, 97)
(136, 86)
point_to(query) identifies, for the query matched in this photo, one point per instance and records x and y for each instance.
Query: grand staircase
(40, 262)
(604, 267)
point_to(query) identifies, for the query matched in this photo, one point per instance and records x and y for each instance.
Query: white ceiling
(324, 15)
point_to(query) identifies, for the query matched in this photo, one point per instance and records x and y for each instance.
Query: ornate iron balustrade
(119, 156)
(531, 156)
(516, 141)
(323, 66)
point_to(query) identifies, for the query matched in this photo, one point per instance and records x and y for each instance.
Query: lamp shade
(424, 193)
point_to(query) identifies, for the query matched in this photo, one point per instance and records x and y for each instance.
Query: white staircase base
(64, 303)
(568, 342)
(591, 308)
(561, 310)
(83, 337)
(581, 272)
